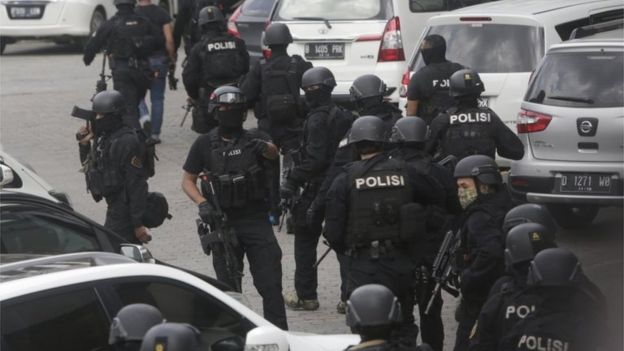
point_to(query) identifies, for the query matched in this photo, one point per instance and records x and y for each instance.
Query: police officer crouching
(113, 157)
(231, 162)
(172, 337)
(469, 129)
(375, 208)
(130, 325)
(218, 59)
(485, 201)
(129, 39)
(373, 312)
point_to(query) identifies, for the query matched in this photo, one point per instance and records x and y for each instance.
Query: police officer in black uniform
(409, 135)
(129, 40)
(272, 86)
(373, 312)
(325, 124)
(172, 337)
(367, 93)
(187, 20)
(113, 157)
(480, 258)
(231, 160)
(375, 208)
(218, 59)
(130, 325)
(567, 316)
(469, 129)
(427, 92)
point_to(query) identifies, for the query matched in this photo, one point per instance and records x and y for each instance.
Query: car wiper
(325, 20)
(572, 98)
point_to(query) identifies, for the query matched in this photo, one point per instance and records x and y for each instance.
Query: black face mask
(433, 55)
(369, 106)
(231, 119)
(106, 125)
(318, 97)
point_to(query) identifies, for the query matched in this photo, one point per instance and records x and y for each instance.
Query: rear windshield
(491, 48)
(289, 10)
(257, 7)
(579, 79)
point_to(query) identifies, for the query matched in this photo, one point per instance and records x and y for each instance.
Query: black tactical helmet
(156, 210)
(367, 86)
(277, 34)
(132, 322)
(367, 128)
(172, 337)
(481, 167)
(318, 76)
(226, 95)
(372, 305)
(108, 101)
(555, 267)
(529, 213)
(524, 241)
(125, 2)
(210, 14)
(409, 130)
(465, 82)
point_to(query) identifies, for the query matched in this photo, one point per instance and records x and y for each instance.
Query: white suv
(66, 302)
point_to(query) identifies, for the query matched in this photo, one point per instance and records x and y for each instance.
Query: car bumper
(59, 19)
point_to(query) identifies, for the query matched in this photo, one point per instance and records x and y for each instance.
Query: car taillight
(231, 24)
(531, 122)
(404, 83)
(391, 47)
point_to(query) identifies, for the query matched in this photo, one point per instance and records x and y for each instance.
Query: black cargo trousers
(257, 241)
(131, 79)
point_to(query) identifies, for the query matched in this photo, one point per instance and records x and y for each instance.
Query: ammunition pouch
(104, 183)
(238, 189)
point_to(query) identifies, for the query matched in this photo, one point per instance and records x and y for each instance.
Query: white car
(66, 302)
(59, 20)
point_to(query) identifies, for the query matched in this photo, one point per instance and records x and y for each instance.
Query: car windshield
(491, 48)
(580, 79)
(333, 10)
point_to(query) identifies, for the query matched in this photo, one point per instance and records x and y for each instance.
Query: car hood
(334, 342)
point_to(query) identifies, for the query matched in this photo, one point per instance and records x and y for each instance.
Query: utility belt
(131, 62)
(235, 190)
(374, 250)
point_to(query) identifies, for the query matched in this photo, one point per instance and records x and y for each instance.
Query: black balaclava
(107, 124)
(468, 101)
(369, 106)
(318, 97)
(437, 52)
(231, 121)
(125, 9)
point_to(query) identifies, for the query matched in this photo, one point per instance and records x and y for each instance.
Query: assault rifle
(188, 107)
(316, 264)
(443, 267)
(100, 85)
(220, 238)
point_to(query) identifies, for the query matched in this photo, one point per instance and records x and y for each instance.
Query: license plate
(325, 51)
(25, 12)
(590, 183)
(483, 102)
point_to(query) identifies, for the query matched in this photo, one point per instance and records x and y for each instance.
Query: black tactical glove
(258, 146)
(207, 213)
(288, 190)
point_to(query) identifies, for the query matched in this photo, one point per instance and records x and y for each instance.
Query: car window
(260, 8)
(68, 321)
(186, 304)
(27, 229)
(333, 10)
(579, 79)
(441, 5)
(491, 48)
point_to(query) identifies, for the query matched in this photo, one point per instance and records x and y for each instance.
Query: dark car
(248, 22)
(33, 225)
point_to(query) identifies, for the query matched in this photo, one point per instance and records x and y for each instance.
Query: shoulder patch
(136, 162)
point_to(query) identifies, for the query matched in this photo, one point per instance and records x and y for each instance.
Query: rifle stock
(443, 267)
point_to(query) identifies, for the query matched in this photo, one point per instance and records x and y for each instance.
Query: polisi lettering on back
(221, 45)
(440, 83)
(131, 23)
(388, 181)
(521, 311)
(471, 117)
(531, 342)
(234, 152)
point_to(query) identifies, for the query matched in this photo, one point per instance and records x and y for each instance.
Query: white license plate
(325, 51)
(484, 102)
(26, 12)
(591, 183)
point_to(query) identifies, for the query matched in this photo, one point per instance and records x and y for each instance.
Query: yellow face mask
(466, 196)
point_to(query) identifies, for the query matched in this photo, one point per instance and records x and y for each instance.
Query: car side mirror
(6, 176)
(232, 343)
(266, 338)
(138, 253)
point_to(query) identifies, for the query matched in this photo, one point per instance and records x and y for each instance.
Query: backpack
(131, 38)
(280, 92)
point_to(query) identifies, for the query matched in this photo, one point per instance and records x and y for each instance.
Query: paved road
(39, 84)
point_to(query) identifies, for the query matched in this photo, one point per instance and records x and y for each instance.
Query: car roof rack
(592, 29)
(57, 263)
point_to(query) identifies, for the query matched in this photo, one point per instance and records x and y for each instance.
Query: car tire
(570, 216)
(97, 19)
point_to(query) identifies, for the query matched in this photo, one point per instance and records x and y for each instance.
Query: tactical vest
(338, 124)
(379, 197)
(235, 172)
(470, 132)
(440, 100)
(280, 90)
(221, 60)
(131, 38)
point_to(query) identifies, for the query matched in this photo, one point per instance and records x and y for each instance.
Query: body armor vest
(130, 38)
(469, 132)
(379, 193)
(280, 89)
(235, 172)
(440, 100)
(104, 173)
(221, 60)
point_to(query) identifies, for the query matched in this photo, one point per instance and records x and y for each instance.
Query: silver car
(572, 125)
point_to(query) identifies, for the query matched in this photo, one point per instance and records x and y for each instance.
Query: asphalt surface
(39, 84)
